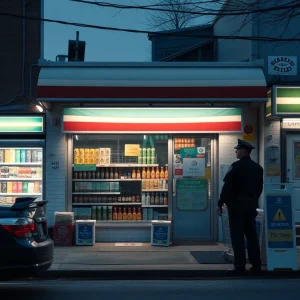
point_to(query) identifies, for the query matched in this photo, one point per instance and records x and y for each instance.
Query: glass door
(191, 213)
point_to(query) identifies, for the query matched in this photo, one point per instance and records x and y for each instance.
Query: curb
(159, 274)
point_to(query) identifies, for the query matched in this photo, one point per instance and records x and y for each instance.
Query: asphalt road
(155, 290)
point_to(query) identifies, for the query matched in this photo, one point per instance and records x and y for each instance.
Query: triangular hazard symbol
(279, 216)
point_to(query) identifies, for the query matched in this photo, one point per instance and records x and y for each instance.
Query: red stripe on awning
(88, 92)
(158, 127)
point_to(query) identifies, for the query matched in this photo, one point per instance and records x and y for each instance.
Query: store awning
(152, 120)
(142, 82)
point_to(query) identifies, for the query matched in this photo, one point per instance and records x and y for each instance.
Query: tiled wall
(55, 177)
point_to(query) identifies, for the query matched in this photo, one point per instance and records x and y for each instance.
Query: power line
(251, 38)
(192, 12)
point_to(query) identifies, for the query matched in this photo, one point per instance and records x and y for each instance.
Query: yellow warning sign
(279, 216)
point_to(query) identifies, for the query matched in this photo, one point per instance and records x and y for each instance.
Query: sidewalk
(143, 261)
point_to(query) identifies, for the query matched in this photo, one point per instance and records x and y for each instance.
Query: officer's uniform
(243, 185)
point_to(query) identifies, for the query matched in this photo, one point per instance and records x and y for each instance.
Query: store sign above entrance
(286, 101)
(21, 124)
(282, 65)
(152, 120)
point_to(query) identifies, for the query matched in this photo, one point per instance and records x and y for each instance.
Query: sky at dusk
(101, 45)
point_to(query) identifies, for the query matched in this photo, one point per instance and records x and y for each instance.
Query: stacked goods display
(113, 190)
(92, 156)
(21, 173)
(63, 228)
(147, 156)
(184, 143)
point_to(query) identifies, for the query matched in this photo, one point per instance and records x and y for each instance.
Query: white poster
(194, 167)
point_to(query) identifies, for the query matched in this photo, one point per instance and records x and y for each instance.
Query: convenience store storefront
(147, 141)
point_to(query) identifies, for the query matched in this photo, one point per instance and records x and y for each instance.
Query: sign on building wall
(282, 65)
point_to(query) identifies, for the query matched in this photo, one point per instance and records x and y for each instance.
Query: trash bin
(160, 233)
(85, 232)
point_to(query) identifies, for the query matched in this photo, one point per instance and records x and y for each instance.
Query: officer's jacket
(244, 180)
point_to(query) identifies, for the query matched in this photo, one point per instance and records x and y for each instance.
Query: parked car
(25, 246)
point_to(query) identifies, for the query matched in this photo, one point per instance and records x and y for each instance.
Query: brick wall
(11, 48)
(55, 178)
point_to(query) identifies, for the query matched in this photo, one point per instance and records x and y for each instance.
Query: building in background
(21, 48)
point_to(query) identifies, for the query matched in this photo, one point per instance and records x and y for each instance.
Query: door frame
(214, 180)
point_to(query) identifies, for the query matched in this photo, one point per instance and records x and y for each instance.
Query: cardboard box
(63, 234)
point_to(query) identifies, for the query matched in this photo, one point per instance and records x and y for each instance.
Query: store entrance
(191, 211)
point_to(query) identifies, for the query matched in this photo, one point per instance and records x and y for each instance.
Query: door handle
(174, 187)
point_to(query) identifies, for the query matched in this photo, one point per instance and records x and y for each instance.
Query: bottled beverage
(144, 174)
(157, 173)
(133, 174)
(148, 199)
(133, 199)
(143, 199)
(162, 173)
(157, 199)
(138, 198)
(148, 174)
(143, 184)
(119, 198)
(79, 175)
(134, 214)
(120, 215)
(106, 174)
(115, 214)
(147, 184)
(152, 199)
(151, 185)
(84, 175)
(102, 174)
(75, 175)
(125, 214)
(111, 174)
(153, 174)
(93, 175)
(88, 175)
(165, 199)
(139, 214)
(129, 215)
(138, 174)
(155, 184)
(116, 175)
(123, 197)
(166, 173)
(161, 199)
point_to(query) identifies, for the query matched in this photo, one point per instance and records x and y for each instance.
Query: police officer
(243, 185)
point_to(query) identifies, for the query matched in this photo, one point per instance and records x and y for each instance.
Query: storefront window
(120, 177)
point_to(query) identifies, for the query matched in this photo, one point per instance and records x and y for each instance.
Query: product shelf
(20, 194)
(125, 165)
(105, 180)
(108, 204)
(164, 190)
(21, 164)
(21, 179)
(145, 206)
(96, 193)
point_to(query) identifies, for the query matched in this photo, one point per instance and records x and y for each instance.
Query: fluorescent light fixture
(291, 120)
(145, 137)
(76, 137)
(39, 108)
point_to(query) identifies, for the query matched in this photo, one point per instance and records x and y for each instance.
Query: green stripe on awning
(152, 113)
(288, 108)
(288, 92)
(21, 129)
(21, 119)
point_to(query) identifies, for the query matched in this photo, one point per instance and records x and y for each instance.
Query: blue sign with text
(160, 234)
(280, 221)
(85, 232)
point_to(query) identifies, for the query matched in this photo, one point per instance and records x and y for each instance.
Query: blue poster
(160, 234)
(85, 232)
(280, 221)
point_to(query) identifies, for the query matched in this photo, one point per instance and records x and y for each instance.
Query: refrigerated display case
(21, 173)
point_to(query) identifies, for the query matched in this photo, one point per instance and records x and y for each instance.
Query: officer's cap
(243, 144)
